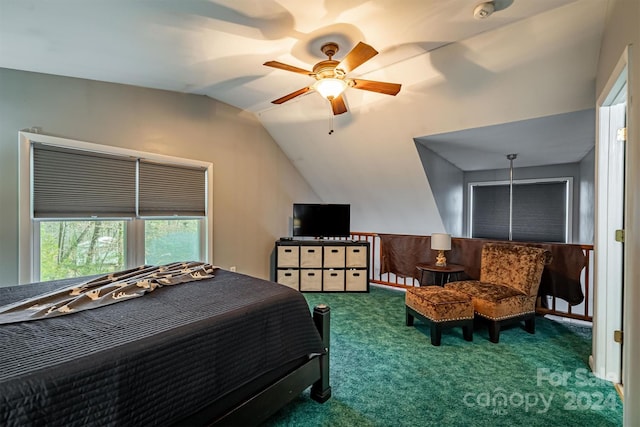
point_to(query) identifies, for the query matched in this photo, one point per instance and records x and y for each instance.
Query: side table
(441, 275)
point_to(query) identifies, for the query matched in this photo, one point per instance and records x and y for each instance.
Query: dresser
(323, 265)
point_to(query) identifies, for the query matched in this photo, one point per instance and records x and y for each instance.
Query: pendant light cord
(511, 157)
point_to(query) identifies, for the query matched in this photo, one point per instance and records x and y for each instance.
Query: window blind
(73, 183)
(490, 212)
(171, 190)
(539, 212)
(79, 184)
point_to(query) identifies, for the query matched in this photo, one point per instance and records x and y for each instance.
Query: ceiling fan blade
(358, 56)
(338, 106)
(380, 87)
(291, 95)
(287, 67)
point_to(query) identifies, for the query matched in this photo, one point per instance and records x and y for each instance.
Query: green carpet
(384, 373)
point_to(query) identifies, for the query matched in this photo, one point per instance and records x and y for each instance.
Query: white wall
(621, 30)
(254, 184)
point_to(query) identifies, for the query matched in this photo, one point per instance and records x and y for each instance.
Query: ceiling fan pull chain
(330, 124)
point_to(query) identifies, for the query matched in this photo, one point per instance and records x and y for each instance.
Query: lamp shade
(441, 241)
(330, 88)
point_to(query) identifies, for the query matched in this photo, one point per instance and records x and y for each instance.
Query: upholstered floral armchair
(508, 286)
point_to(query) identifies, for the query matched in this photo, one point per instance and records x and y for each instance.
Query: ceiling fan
(331, 76)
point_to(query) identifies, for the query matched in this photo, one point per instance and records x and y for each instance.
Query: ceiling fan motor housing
(327, 69)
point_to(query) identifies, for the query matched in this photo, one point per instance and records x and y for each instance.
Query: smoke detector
(484, 10)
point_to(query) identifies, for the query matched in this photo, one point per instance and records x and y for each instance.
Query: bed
(228, 350)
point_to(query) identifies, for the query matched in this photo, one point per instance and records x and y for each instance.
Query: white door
(606, 360)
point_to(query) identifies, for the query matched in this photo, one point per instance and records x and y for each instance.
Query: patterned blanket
(104, 290)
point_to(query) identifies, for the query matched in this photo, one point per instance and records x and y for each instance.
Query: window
(541, 210)
(167, 240)
(80, 248)
(89, 209)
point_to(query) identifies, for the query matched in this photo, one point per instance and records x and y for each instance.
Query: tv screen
(321, 220)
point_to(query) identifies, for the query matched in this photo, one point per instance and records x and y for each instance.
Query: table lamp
(441, 242)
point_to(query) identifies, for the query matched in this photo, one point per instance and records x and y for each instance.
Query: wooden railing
(554, 306)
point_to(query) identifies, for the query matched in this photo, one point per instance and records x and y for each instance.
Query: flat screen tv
(321, 220)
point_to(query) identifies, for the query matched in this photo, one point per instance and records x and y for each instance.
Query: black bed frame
(259, 406)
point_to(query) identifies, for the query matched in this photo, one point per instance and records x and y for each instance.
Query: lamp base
(441, 260)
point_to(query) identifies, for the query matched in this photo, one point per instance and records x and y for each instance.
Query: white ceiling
(532, 59)
(217, 48)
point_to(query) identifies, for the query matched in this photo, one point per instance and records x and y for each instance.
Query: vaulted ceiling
(528, 60)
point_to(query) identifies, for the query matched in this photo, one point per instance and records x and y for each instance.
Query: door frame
(606, 358)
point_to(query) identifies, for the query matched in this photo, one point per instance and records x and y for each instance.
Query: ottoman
(442, 308)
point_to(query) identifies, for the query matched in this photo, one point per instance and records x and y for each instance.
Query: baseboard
(620, 389)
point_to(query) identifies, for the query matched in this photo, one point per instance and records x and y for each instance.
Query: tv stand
(323, 265)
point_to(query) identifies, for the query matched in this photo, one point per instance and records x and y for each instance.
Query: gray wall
(446, 181)
(586, 216)
(254, 184)
(550, 171)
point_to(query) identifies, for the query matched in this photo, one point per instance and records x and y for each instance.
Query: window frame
(28, 227)
(567, 180)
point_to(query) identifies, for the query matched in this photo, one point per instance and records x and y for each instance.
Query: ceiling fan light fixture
(331, 78)
(330, 88)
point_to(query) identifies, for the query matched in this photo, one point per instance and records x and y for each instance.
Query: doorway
(606, 358)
